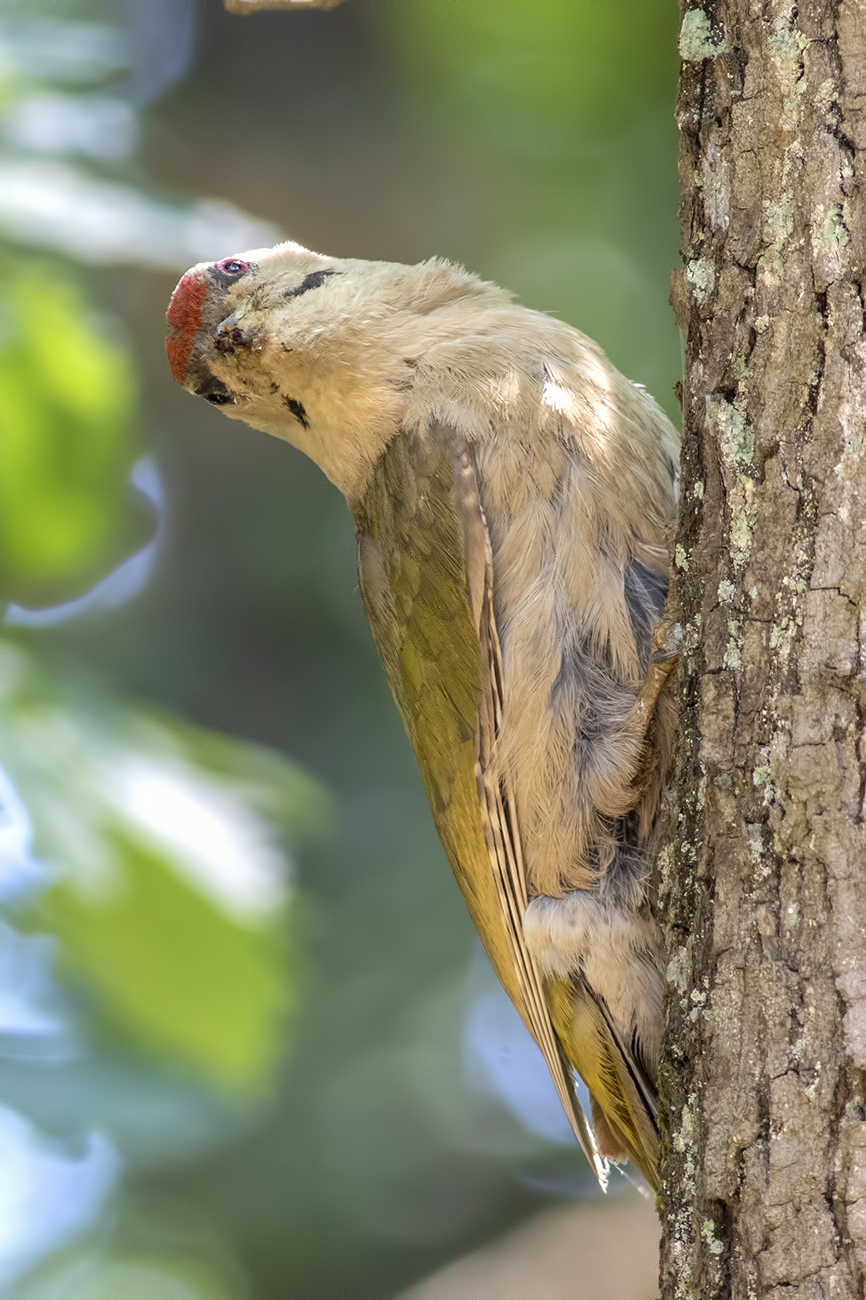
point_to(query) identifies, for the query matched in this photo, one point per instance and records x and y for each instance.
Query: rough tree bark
(763, 893)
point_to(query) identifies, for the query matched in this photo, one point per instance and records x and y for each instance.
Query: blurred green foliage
(549, 128)
(149, 1276)
(68, 414)
(553, 71)
(165, 882)
(160, 1250)
(173, 975)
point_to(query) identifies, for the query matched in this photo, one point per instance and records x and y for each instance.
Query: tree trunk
(763, 892)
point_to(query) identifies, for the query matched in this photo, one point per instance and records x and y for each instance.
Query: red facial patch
(184, 321)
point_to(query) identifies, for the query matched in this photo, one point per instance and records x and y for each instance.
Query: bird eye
(232, 266)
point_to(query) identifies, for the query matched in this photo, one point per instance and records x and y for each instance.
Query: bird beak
(229, 334)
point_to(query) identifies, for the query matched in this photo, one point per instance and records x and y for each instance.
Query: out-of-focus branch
(253, 6)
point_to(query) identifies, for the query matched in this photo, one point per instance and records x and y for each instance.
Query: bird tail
(625, 1107)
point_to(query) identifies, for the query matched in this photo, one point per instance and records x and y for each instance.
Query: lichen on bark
(762, 890)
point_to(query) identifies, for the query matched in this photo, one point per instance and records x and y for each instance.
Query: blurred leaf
(173, 972)
(539, 71)
(165, 879)
(67, 398)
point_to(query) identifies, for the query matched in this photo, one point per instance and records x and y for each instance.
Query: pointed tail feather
(615, 1078)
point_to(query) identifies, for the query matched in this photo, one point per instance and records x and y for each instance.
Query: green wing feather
(426, 579)
(412, 577)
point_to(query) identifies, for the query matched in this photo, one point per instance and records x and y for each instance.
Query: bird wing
(426, 577)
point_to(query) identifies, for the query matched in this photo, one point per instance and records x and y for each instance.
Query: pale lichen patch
(697, 39)
(743, 515)
(734, 648)
(708, 1232)
(736, 437)
(702, 277)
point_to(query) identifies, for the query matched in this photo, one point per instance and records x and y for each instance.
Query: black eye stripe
(297, 410)
(214, 390)
(314, 280)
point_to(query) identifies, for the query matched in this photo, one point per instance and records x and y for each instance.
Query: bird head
(319, 351)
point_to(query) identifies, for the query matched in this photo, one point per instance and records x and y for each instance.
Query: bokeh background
(249, 1046)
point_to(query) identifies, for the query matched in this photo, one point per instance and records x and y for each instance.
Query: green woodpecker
(513, 496)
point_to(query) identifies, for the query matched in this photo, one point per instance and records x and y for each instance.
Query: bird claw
(667, 640)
